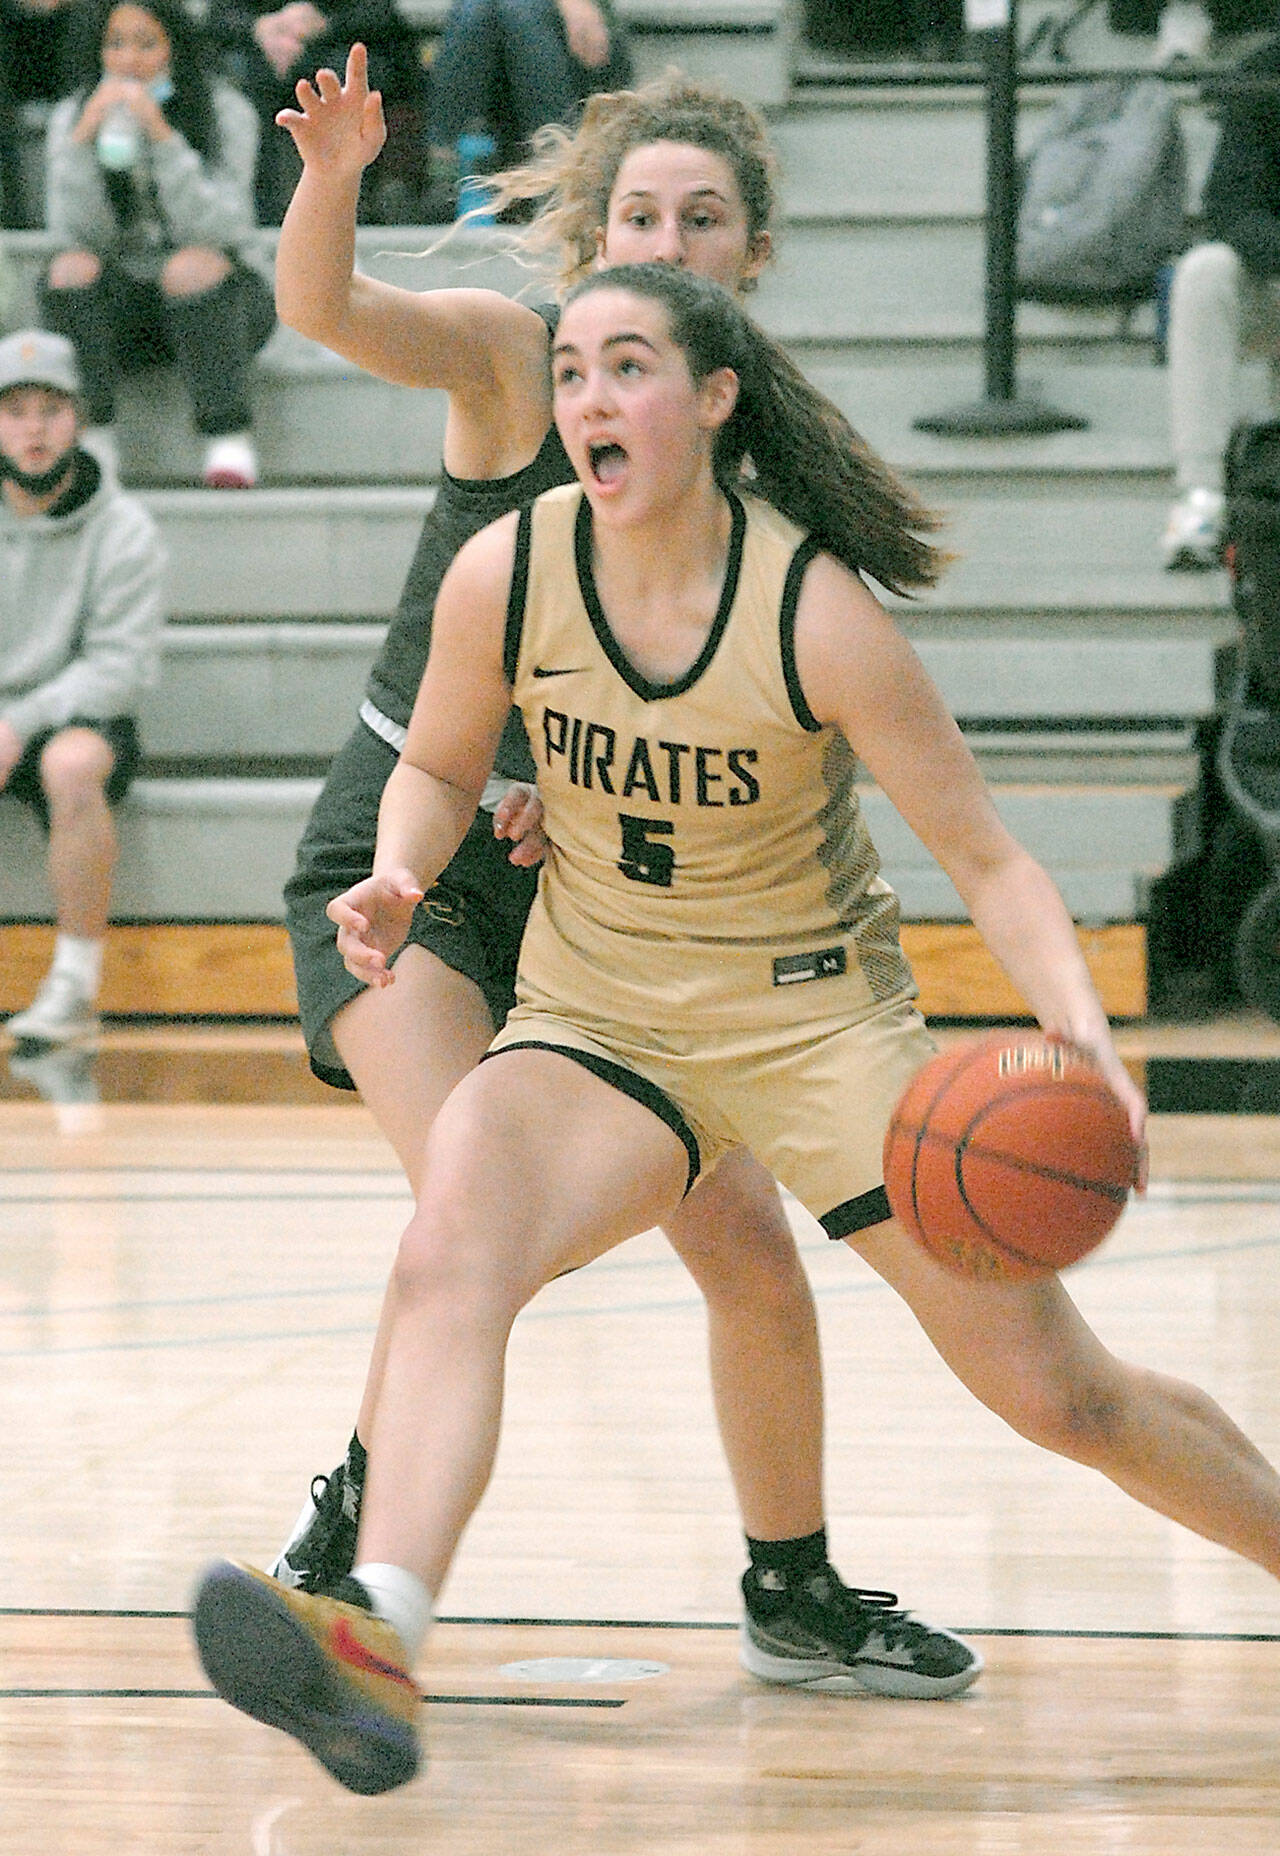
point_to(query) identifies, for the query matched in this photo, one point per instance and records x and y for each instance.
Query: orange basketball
(1009, 1156)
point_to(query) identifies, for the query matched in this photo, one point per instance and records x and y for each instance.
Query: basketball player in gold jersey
(681, 173)
(711, 960)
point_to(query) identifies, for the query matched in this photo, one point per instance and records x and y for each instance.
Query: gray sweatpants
(1218, 314)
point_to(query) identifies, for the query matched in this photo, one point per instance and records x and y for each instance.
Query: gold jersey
(709, 862)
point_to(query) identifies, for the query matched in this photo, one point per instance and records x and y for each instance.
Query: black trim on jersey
(857, 1214)
(787, 633)
(639, 1088)
(519, 593)
(640, 685)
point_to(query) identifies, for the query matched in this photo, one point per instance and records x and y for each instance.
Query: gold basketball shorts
(810, 1101)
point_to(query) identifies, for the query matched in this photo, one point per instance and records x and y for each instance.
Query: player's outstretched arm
(470, 342)
(860, 673)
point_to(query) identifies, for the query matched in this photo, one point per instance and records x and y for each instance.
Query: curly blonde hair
(572, 172)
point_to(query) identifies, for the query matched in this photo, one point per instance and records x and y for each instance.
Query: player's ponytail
(786, 441)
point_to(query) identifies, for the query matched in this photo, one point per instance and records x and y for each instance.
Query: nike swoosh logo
(349, 1649)
(573, 671)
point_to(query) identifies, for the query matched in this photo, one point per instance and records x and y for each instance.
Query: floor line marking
(1052, 1633)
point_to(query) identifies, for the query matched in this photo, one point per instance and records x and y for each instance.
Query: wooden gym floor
(188, 1279)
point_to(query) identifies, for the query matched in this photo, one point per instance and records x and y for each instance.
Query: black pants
(506, 64)
(120, 324)
(395, 69)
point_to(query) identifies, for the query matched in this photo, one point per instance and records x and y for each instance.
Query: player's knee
(438, 1264)
(454, 1254)
(1083, 1421)
(733, 1225)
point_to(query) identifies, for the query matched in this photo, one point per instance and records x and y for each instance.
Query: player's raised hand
(338, 125)
(372, 919)
(518, 817)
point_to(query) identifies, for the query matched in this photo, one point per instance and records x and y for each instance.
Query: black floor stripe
(208, 1694)
(1050, 1633)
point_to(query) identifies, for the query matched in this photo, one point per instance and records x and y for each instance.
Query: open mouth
(607, 461)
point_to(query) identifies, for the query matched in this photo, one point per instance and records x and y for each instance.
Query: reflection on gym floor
(59, 1073)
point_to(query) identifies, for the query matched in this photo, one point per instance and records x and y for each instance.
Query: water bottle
(476, 154)
(119, 140)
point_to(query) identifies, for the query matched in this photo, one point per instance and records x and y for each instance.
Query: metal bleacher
(1078, 669)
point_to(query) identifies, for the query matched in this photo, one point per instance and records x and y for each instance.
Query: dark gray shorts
(120, 732)
(472, 919)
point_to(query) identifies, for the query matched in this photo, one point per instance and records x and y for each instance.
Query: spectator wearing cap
(81, 568)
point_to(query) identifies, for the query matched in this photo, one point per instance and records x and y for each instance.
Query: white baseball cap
(36, 358)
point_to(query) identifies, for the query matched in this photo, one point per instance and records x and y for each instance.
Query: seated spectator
(150, 200)
(507, 67)
(1224, 303)
(266, 48)
(34, 72)
(80, 619)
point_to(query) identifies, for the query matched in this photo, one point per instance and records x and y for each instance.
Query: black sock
(777, 1565)
(357, 1462)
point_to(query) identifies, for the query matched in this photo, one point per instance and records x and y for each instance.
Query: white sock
(80, 957)
(401, 1599)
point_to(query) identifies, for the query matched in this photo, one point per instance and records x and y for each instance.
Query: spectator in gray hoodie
(149, 184)
(81, 567)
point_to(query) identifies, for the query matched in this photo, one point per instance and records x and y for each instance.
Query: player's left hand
(1103, 1053)
(518, 817)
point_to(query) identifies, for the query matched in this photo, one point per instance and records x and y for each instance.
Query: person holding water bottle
(149, 199)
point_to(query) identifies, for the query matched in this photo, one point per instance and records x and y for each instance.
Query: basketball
(1009, 1157)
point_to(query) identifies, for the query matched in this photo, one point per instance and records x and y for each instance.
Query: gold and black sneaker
(323, 1669)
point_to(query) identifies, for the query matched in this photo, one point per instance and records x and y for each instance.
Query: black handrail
(1002, 71)
(1001, 410)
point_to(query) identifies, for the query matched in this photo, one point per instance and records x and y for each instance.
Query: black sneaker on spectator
(825, 1635)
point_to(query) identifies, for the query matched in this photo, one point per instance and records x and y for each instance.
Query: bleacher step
(881, 283)
(220, 849)
(267, 689)
(344, 552)
(299, 404)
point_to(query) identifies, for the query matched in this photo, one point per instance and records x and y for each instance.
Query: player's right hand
(338, 125)
(372, 919)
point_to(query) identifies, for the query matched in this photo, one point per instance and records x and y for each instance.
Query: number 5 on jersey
(644, 858)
